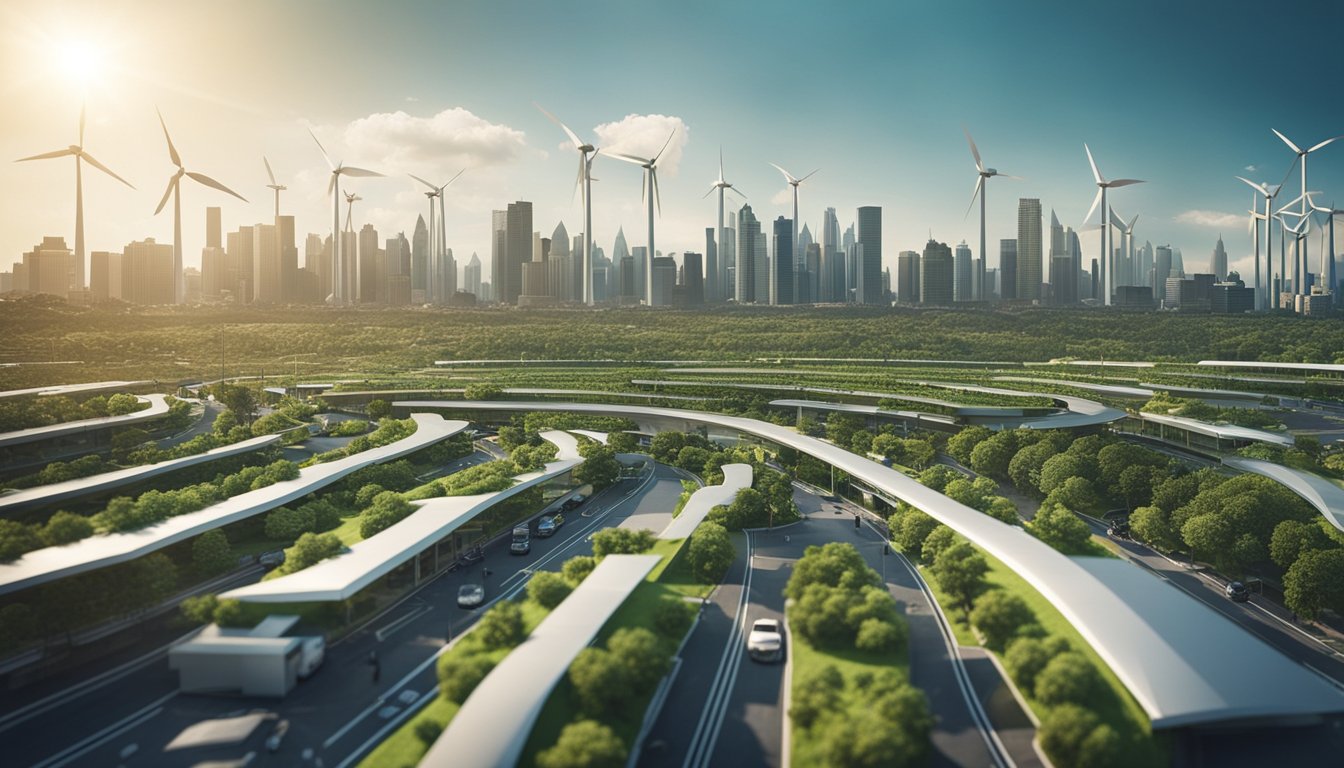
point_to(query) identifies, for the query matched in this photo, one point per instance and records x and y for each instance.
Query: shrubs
(873, 720)
(1073, 736)
(838, 602)
(673, 616)
(389, 508)
(460, 673)
(548, 589)
(1027, 656)
(585, 744)
(211, 553)
(577, 568)
(710, 552)
(621, 541)
(1057, 526)
(310, 549)
(65, 528)
(607, 680)
(1068, 678)
(998, 615)
(501, 626)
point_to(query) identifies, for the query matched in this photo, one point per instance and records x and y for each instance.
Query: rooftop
(1220, 431)
(158, 408)
(735, 478)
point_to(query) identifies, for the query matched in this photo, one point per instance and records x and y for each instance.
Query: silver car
(470, 595)
(766, 641)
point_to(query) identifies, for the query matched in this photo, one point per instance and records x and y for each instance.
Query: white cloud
(783, 196)
(643, 136)
(1252, 168)
(1212, 219)
(396, 141)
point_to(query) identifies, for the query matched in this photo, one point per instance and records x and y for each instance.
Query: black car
(1237, 592)
(573, 502)
(1118, 529)
(549, 524)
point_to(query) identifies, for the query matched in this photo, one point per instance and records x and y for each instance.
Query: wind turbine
(1108, 259)
(1303, 198)
(721, 186)
(1299, 233)
(273, 185)
(81, 157)
(648, 193)
(339, 290)
(1328, 268)
(1268, 192)
(795, 183)
(1127, 237)
(175, 189)
(441, 234)
(587, 153)
(981, 189)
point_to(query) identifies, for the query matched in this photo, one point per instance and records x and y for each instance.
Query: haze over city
(873, 94)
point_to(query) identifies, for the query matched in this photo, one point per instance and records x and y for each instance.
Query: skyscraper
(830, 286)
(147, 272)
(1162, 269)
(471, 277)
(419, 261)
(105, 274)
(748, 233)
(869, 220)
(711, 286)
(1218, 262)
(936, 274)
(693, 275)
(370, 270)
(1007, 270)
(963, 274)
(266, 282)
(1028, 248)
(907, 277)
(800, 264)
(783, 267)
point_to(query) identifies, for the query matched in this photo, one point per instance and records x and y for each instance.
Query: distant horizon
(891, 133)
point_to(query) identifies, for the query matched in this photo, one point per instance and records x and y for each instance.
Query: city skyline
(916, 173)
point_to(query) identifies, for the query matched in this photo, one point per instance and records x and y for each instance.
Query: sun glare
(80, 61)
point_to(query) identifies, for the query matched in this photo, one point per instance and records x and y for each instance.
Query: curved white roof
(70, 489)
(491, 728)
(70, 389)
(44, 565)
(870, 410)
(1314, 367)
(1108, 389)
(1082, 412)
(158, 408)
(1220, 431)
(342, 576)
(735, 478)
(1182, 661)
(1319, 492)
(957, 408)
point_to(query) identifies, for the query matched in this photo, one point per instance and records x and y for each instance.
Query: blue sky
(874, 94)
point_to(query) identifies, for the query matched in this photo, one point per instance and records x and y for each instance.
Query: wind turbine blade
(1323, 143)
(720, 163)
(628, 158)
(1115, 217)
(1132, 222)
(1257, 187)
(1123, 182)
(808, 176)
(172, 151)
(81, 124)
(323, 150)
(643, 186)
(578, 180)
(422, 181)
(1095, 202)
(1290, 144)
(331, 186)
(572, 137)
(1010, 176)
(1096, 174)
(209, 182)
(352, 171)
(787, 176)
(164, 201)
(269, 172)
(89, 159)
(450, 181)
(979, 166)
(735, 191)
(665, 143)
(657, 198)
(47, 155)
(712, 187)
(979, 182)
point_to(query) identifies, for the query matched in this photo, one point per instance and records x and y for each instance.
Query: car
(272, 559)
(1118, 529)
(548, 525)
(1237, 592)
(473, 555)
(522, 541)
(766, 641)
(470, 595)
(573, 502)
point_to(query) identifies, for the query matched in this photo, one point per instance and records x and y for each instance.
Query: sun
(80, 61)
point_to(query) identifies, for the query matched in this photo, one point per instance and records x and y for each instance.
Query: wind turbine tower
(1108, 258)
(795, 183)
(981, 189)
(340, 287)
(587, 153)
(721, 186)
(649, 195)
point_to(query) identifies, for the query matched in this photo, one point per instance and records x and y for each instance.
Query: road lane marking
(96, 740)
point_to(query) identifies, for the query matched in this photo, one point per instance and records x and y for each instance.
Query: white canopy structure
(735, 478)
(158, 408)
(1325, 496)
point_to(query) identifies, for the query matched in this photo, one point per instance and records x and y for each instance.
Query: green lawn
(1112, 704)
(851, 664)
(404, 747)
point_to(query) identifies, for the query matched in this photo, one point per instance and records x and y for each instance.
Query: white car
(470, 595)
(766, 641)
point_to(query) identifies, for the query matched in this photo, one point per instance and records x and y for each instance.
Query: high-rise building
(289, 258)
(105, 273)
(1007, 270)
(420, 261)
(830, 286)
(693, 276)
(471, 277)
(869, 221)
(147, 273)
(907, 277)
(963, 274)
(1218, 262)
(517, 249)
(50, 268)
(711, 289)
(266, 281)
(664, 276)
(367, 283)
(936, 274)
(238, 273)
(498, 271)
(1162, 269)
(809, 276)
(1028, 248)
(801, 278)
(783, 266)
(748, 233)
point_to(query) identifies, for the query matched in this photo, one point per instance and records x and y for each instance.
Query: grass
(851, 663)
(671, 577)
(1112, 703)
(404, 747)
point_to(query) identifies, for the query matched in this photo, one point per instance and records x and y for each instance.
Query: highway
(138, 718)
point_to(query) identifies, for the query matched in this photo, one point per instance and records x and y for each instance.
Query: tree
(200, 609)
(816, 692)
(665, 446)
(288, 524)
(241, 401)
(310, 549)
(960, 571)
(1153, 526)
(585, 744)
(1293, 538)
(459, 674)
(1057, 526)
(1025, 468)
(126, 440)
(878, 636)
(1077, 494)
(673, 616)
(122, 404)
(960, 445)
(502, 626)
(1136, 484)
(998, 615)
(1208, 534)
(600, 681)
(622, 442)
(831, 565)
(939, 539)
(915, 528)
(993, 455)
(840, 427)
(600, 467)
(749, 509)
(919, 453)
(211, 553)
(16, 539)
(66, 527)
(621, 541)
(482, 392)
(939, 476)
(1315, 582)
(1063, 732)
(866, 739)
(548, 589)
(577, 568)
(861, 442)
(378, 409)
(389, 508)
(1068, 678)
(1003, 510)
(638, 650)
(1027, 656)
(1059, 468)
(711, 552)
